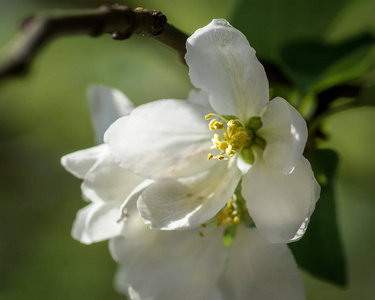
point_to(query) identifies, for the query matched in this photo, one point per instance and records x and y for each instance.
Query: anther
(218, 125)
(212, 124)
(232, 123)
(210, 156)
(209, 116)
(200, 233)
(229, 149)
(220, 157)
(230, 203)
(236, 220)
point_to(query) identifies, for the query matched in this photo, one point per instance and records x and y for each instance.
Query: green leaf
(318, 65)
(271, 24)
(367, 97)
(320, 251)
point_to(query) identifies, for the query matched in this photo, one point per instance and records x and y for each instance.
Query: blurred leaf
(367, 97)
(320, 251)
(318, 65)
(271, 24)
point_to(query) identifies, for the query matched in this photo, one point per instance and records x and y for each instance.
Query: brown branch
(118, 20)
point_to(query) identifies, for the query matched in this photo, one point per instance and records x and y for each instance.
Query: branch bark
(118, 20)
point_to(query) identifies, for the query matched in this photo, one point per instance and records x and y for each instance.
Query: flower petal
(79, 225)
(259, 270)
(177, 265)
(166, 138)
(189, 202)
(199, 97)
(97, 222)
(80, 162)
(106, 105)
(222, 63)
(280, 203)
(106, 181)
(285, 132)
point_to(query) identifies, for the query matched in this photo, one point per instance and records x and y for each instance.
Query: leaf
(318, 65)
(320, 251)
(367, 97)
(271, 24)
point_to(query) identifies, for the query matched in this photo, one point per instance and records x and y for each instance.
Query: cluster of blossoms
(200, 197)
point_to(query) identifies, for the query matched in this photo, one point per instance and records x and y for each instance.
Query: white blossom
(105, 185)
(249, 137)
(184, 265)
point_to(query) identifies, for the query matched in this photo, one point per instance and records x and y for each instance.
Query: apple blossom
(257, 141)
(192, 264)
(105, 184)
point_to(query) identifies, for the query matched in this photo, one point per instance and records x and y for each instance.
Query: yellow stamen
(209, 116)
(210, 156)
(236, 220)
(219, 126)
(212, 124)
(220, 157)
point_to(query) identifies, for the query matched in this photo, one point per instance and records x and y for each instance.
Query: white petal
(178, 265)
(223, 64)
(259, 270)
(135, 235)
(79, 226)
(166, 138)
(285, 132)
(242, 165)
(315, 194)
(97, 222)
(106, 181)
(279, 203)
(106, 105)
(189, 202)
(80, 162)
(199, 97)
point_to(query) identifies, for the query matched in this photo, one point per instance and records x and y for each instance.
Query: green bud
(247, 155)
(255, 123)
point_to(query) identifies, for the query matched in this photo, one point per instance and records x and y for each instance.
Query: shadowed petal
(285, 132)
(188, 202)
(280, 203)
(176, 265)
(259, 270)
(97, 222)
(106, 181)
(80, 162)
(106, 106)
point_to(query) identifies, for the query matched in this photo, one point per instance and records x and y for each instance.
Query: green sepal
(242, 208)
(247, 155)
(254, 123)
(229, 235)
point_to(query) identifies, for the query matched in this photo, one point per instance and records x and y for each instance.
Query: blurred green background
(44, 116)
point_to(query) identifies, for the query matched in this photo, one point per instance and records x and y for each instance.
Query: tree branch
(118, 20)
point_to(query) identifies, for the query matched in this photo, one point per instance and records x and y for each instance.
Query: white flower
(185, 265)
(169, 140)
(105, 184)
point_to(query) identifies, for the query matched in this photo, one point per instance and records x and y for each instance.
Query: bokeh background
(44, 116)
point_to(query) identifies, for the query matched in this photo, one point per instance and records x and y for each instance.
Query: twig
(118, 20)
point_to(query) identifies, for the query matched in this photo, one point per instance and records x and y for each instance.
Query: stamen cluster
(228, 215)
(235, 136)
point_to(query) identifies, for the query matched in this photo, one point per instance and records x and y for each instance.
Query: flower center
(236, 137)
